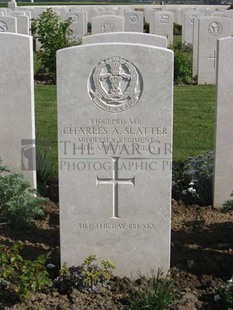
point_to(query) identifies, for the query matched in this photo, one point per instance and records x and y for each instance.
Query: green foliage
(194, 182)
(156, 293)
(228, 205)
(146, 27)
(224, 296)
(177, 29)
(86, 276)
(19, 277)
(93, 275)
(45, 168)
(53, 34)
(182, 64)
(19, 204)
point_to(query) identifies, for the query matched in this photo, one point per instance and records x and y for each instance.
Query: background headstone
(223, 168)
(78, 23)
(127, 37)
(134, 21)
(187, 26)
(162, 24)
(209, 30)
(105, 24)
(8, 24)
(17, 121)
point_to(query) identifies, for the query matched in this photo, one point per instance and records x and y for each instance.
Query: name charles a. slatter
(115, 131)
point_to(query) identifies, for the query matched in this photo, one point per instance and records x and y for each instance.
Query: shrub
(177, 29)
(19, 204)
(53, 34)
(156, 293)
(19, 277)
(228, 205)
(224, 296)
(194, 184)
(45, 169)
(182, 64)
(86, 276)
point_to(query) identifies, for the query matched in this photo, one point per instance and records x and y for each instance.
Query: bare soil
(201, 260)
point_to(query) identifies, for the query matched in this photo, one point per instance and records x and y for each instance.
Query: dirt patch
(201, 260)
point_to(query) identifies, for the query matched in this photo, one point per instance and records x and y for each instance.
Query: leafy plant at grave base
(177, 29)
(19, 277)
(89, 27)
(86, 276)
(224, 296)
(146, 27)
(53, 34)
(45, 169)
(156, 293)
(182, 64)
(19, 204)
(228, 205)
(198, 171)
(179, 180)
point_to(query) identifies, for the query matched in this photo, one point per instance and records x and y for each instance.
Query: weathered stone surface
(223, 176)
(115, 131)
(17, 122)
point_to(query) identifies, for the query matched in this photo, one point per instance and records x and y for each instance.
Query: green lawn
(194, 108)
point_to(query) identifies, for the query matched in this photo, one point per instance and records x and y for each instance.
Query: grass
(194, 108)
(46, 120)
(194, 113)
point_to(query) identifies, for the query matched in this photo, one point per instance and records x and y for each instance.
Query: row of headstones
(15, 21)
(115, 20)
(202, 32)
(114, 134)
(161, 24)
(199, 31)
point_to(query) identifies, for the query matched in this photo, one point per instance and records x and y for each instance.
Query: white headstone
(162, 24)
(223, 168)
(23, 24)
(187, 26)
(115, 131)
(78, 23)
(195, 47)
(209, 30)
(103, 24)
(130, 37)
(8, 24)
(134, 22)
(17, 122)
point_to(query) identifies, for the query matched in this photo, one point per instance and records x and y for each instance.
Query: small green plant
(53, 34)
(228, 205)
(193, 184)
(86, 276)
(177, 29)
(45, 169)
(224, 296)
(19, 277)
(93, 275)
(19, 204)
(156, 293)
(182, 64)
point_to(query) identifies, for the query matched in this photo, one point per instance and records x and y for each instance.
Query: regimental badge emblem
(108, 27)
(215, 29)
(115, 85)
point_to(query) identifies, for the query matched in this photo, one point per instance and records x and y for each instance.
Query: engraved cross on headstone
(115, 181)
(213, 58)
